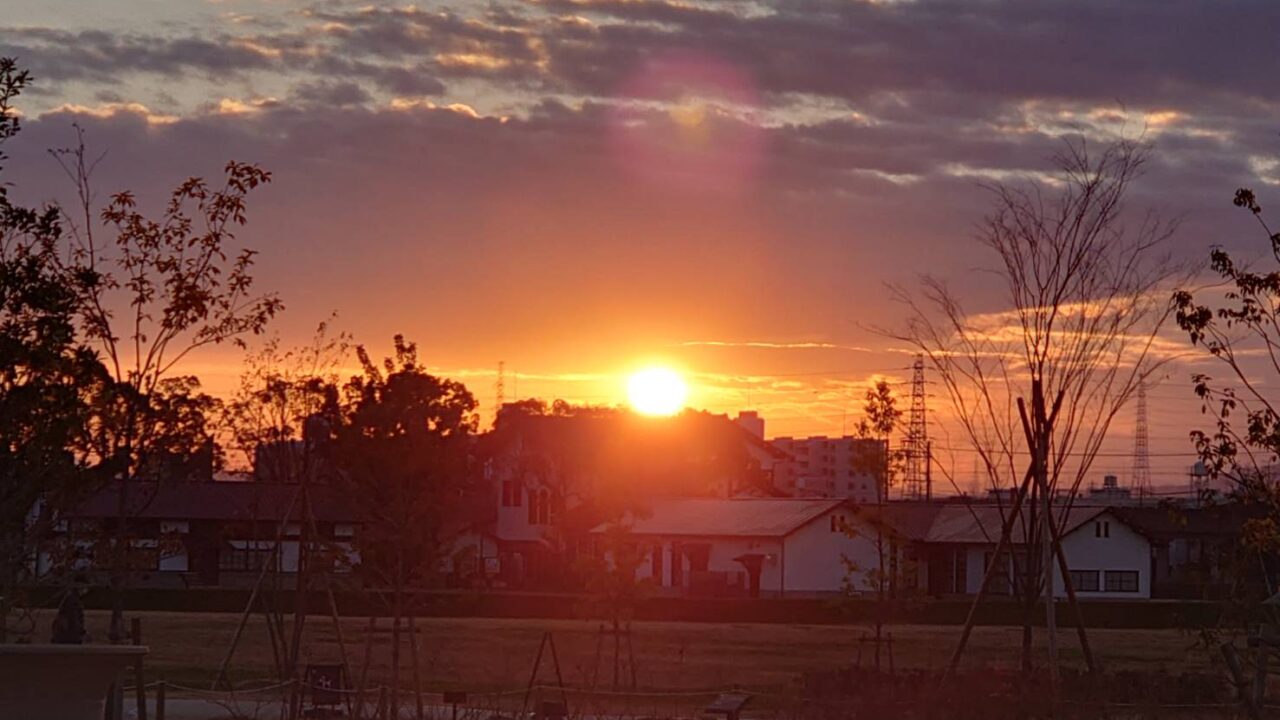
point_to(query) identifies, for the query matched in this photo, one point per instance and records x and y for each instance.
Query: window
(1000, 584)
(540, 508)
(1102, 529)
(143, 558)
(961, 579)
(1122, 581)
(1084, 580)
(512, 493)
(243, 559)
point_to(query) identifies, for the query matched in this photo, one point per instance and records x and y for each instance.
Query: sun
(657, 391)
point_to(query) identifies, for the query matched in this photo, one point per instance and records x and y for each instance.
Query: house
(215, 533)
(1108, 557)
(756, 547)
(556, 476)
(1197, 551)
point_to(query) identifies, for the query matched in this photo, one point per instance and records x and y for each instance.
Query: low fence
(907, 697)
(1097, 614)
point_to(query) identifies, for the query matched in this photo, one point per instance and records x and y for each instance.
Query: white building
(827, 467)
(1108, 558)
(774, 547)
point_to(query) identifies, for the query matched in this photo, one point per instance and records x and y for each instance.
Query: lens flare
(686, 120)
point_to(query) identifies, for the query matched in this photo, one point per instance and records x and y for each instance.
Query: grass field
(489, 654)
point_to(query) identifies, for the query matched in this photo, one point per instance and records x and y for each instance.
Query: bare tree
(158, 290)
(280, 423)
(1085, 285)
(873, 457)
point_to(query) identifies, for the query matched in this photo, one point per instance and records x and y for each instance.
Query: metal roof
(734, 517)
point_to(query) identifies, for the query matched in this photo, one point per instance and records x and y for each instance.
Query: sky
(579, 188)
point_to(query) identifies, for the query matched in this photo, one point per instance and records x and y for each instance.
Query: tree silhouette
(158, 290)
(1240, 328)
(403, 450)
(1085, 298)
(46, 375)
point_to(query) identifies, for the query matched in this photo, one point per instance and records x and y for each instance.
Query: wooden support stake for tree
(139, 676)
(631, 657)
(533, 674)
(1089, 660)
(1237, 679)
(253, 597)
(1005, 531)
(1039, 432)
(364, 670)
(555, 660)
(548, 643)
(1260, 661)
(417, 669)
(160, 700)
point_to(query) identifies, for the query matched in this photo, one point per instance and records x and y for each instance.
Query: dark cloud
(100, 56)
(331, 94)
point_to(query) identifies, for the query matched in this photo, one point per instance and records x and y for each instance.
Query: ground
(495, 654)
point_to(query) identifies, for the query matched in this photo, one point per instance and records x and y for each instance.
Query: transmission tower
(499, 389)
(1141, 449)
(916, 480)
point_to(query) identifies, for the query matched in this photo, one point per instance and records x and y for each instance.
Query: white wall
(813, 555)
(1124, 549)
(720, 559)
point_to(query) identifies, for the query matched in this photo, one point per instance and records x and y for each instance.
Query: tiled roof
(736, 517)
(981, 524)
(1163, 523)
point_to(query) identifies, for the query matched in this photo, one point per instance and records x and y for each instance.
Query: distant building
(751, 421)
(820, 466)
(555, 476)
(188, 534)
(1110, 493)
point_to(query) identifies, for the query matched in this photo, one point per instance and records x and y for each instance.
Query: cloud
(776, 345)
(459, 172)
